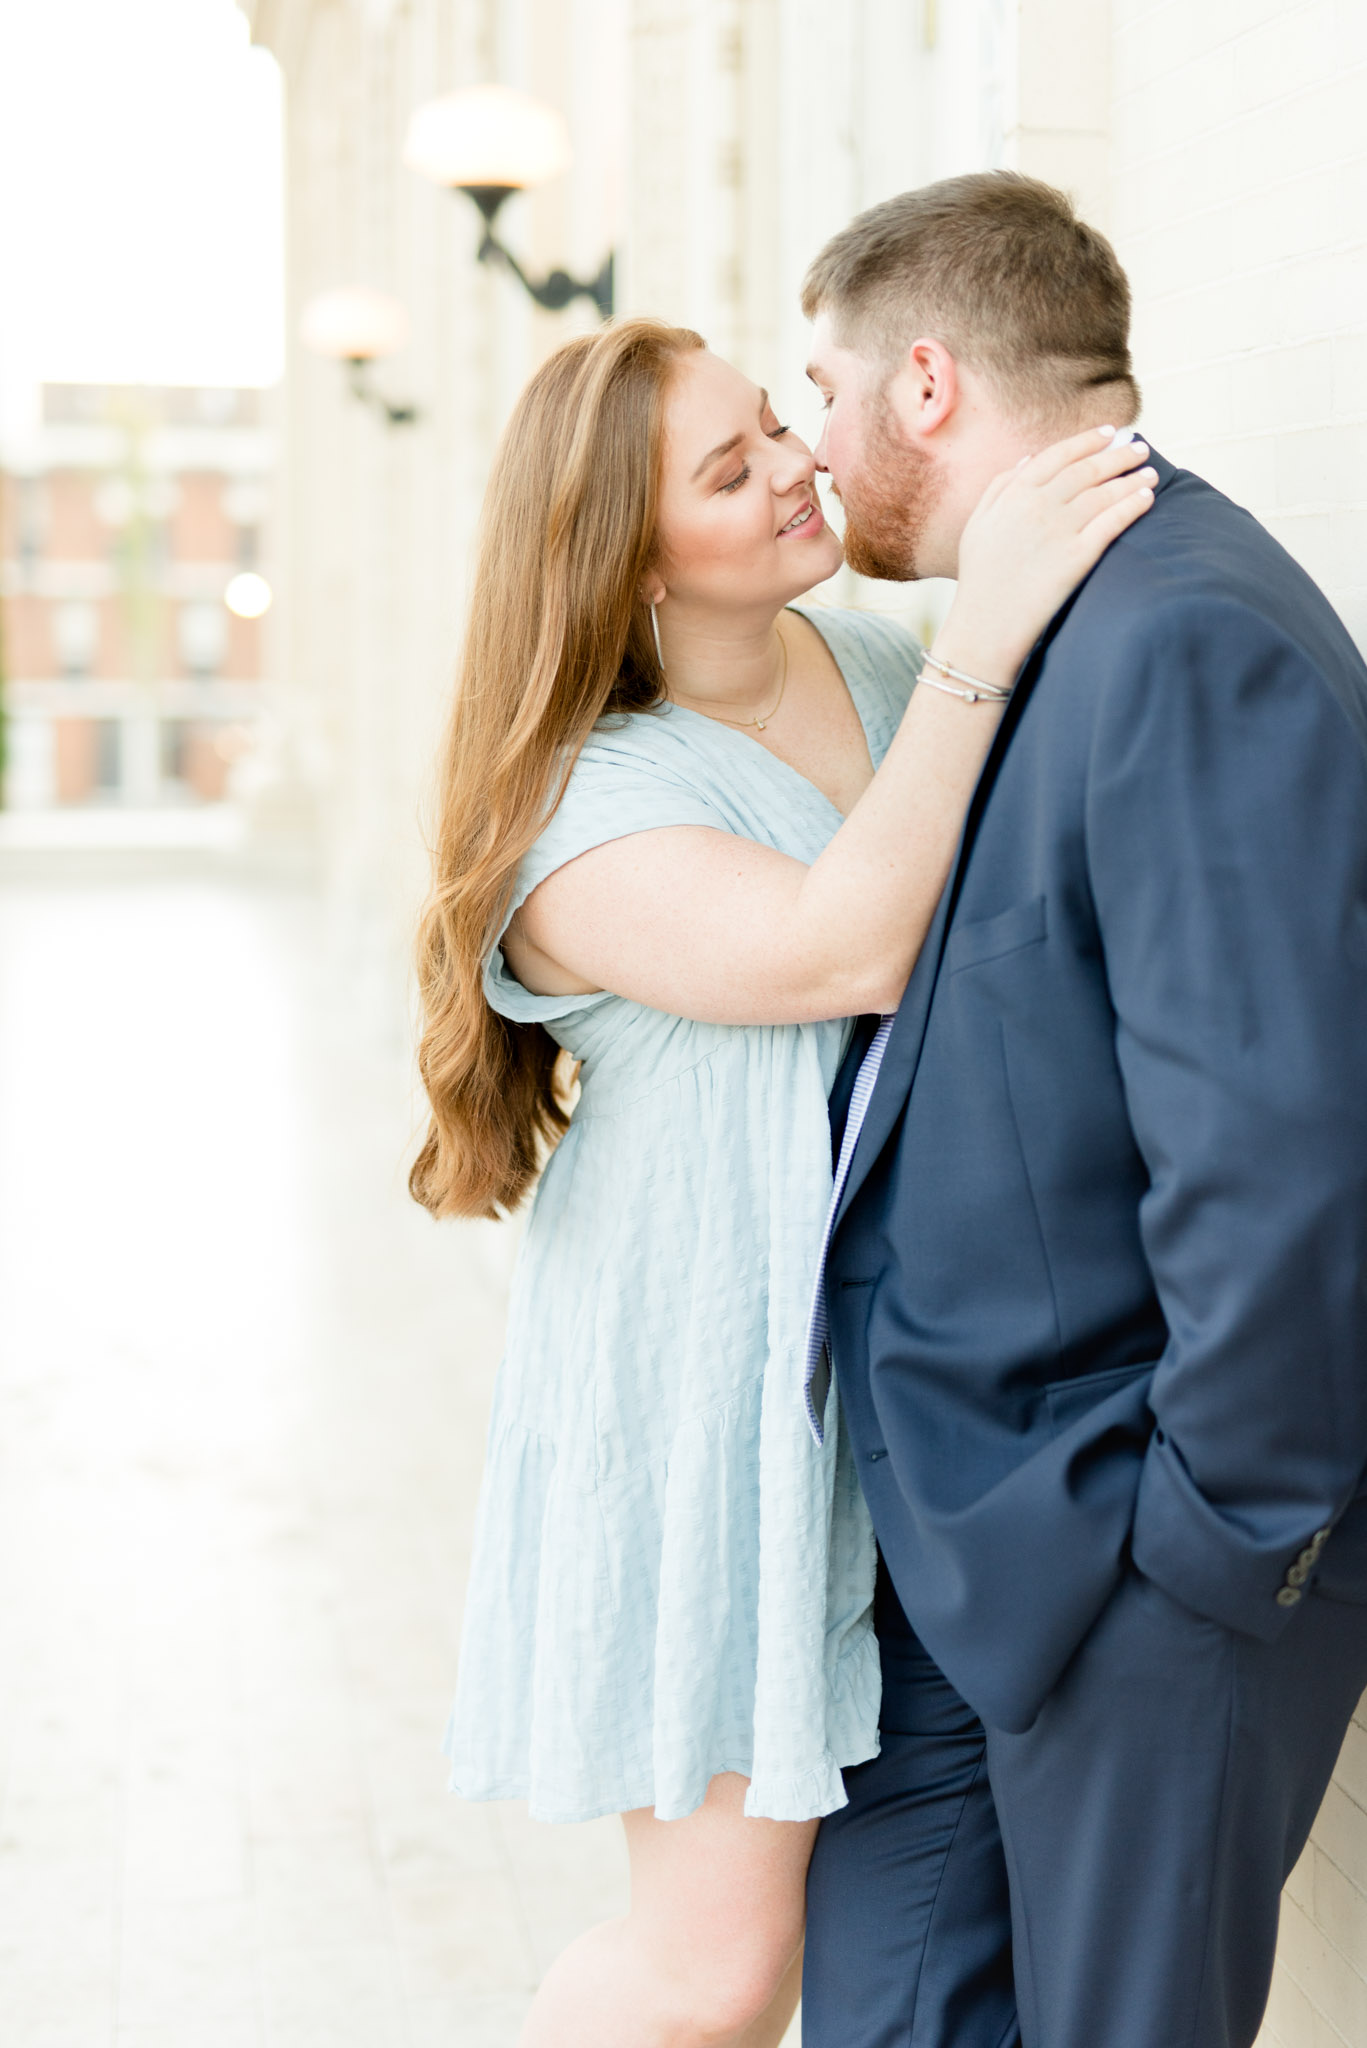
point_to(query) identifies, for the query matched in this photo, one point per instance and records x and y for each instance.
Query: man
(1095, 1288)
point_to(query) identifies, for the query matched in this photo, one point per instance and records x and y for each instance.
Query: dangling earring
(655, 629)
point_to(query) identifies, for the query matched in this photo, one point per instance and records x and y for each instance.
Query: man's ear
(925, 392)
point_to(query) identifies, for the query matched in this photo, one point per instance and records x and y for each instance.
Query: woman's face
(740, 524)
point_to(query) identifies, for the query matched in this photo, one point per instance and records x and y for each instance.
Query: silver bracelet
(1002, 690)
(975, 692)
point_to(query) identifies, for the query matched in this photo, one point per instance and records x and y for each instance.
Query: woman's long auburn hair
(558, 635)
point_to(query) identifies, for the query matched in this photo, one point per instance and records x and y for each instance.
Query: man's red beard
(889, 502)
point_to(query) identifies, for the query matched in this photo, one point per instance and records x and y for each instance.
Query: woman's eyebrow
(725, 447)
(713, 454)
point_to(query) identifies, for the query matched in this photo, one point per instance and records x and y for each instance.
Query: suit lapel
(903, 1053)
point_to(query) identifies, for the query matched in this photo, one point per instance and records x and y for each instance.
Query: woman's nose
(797, 465)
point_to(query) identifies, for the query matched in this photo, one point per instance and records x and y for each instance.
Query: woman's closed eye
(775, 434)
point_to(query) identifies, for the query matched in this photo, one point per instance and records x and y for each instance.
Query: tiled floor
(242, 1395)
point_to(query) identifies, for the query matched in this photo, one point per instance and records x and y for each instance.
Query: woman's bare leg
(771, 2026)
(708, 1954)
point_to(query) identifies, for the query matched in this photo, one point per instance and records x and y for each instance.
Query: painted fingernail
(1105, 432)
(1148, 476)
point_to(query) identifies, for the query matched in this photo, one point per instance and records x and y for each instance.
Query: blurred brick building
(126, 515)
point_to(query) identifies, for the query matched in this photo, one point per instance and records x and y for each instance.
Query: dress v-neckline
(734, 732)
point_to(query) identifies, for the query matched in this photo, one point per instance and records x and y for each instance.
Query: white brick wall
(1238, 203)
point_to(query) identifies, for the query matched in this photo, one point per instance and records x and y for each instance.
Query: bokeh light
(248, 595)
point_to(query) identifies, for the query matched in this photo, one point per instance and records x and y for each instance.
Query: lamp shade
(487, 135)
(354, 323)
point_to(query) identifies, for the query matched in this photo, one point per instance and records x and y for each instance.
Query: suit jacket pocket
(987, 938)
(1067, 1399)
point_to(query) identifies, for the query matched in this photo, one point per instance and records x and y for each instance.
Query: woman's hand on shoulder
(1035, 533)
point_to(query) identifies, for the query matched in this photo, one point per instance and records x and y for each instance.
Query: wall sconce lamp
(357, 326)
(489, 143)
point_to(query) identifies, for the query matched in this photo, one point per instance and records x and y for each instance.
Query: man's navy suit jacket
(1098, 1281)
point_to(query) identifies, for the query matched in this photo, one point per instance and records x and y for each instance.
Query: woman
(642, 867)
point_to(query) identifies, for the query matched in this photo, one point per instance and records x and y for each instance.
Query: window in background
(174, 750)
(202, 633)
(115, 504)
(108, 756)
(32, 525)
(76, 638)
(244, 505)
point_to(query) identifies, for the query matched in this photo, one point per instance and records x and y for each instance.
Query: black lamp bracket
(359, 368)
(558, 289)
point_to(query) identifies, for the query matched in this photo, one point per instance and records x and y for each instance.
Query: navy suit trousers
(1108, 1879)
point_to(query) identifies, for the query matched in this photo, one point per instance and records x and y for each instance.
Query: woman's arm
(707, 925)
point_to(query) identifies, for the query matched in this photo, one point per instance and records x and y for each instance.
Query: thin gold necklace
(746, 723)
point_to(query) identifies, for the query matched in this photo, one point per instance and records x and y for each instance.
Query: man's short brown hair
(1000, 269)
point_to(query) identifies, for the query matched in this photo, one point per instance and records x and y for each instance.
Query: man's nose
(819, 458)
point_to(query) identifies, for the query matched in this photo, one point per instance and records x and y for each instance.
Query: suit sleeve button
(1288, 1597)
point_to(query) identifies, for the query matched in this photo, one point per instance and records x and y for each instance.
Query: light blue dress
(669, 1578)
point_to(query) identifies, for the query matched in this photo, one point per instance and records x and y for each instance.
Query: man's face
(887, 485)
